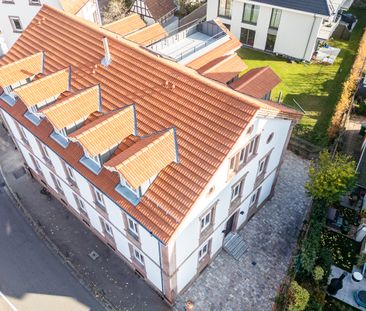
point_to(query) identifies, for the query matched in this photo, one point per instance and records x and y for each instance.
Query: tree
(115, 10)
(330, 177)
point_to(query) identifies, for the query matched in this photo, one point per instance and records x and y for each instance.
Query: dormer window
(91, 162)
(60, 137)
(128, 192)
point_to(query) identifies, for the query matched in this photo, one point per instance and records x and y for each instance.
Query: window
(247, 36)
(204, 250)
(99, 200)
(34, 2)
(225, 8)
(137, 254)
(254, 197)
(70, 172)
(23, 134)
(263, 165)
(132, 226)
(108, 228)
(250, 14)
(270, 137)
(15, 23)
(8, 1)
(270, 43)
(206, 220)
(275, 19)
(37, 165)
(236, 191)
(82, 205)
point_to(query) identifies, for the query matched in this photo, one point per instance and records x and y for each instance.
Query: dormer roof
(106, 131)
(146, 158)
(42, 89)
(74, 108)
(148, 35)
(21, 69)
(126, 24)
(224, 68)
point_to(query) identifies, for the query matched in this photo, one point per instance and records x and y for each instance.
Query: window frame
(140, 257)
(134, 227)
(204, 223)
(254, 13)
(245, 33)
(255, 194)
(98, 194)
(70, 172)
(227, 8)
(275, 14)
(204, 250)
(108, 228)
(235, 195)
(12, 19)
(35, 2)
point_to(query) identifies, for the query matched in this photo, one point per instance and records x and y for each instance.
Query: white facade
(128, 236)
(296, 35)
(15, 15)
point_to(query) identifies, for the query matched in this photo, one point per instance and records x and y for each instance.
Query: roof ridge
(68, 99)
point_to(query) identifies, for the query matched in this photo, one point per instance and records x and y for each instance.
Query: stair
(235, 245)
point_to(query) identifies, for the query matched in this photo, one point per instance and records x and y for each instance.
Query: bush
(298, 297)
(325, 260)
(349, 88)
(313, 305)
(318, 274)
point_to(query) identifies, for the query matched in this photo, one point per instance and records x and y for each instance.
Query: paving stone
(271, 235)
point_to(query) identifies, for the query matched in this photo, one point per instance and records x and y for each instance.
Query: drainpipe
(161, 270)
(311, 32)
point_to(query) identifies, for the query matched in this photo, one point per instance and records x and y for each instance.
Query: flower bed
(344, 250)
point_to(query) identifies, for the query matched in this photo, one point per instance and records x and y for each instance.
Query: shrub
(313, 305)
(318, 273)
(331, 177)
(298, 297)
(325, 260)
(115, 10)
(349, 88)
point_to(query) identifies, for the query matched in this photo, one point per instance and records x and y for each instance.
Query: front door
(229, 225)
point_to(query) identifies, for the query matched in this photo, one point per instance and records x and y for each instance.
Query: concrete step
(235, 246)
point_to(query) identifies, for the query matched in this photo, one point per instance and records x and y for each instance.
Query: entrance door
(229, 225)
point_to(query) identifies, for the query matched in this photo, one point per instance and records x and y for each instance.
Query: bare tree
(115, 10)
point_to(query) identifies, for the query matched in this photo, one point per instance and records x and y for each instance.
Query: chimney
(107, 59)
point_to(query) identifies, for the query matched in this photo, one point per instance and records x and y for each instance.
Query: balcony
(191, 43)
(327, 29)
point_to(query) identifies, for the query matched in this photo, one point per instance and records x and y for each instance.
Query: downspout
(311, 32)
(161, 270)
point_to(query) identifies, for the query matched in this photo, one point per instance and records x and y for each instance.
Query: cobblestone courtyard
(251, 283)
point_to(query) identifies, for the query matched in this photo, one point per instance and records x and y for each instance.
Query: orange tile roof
(106, 131)
(21, 69)
(257, 82)
(73, 6)
(126, 25)
(74, 108)
(224, 68)
(146, 158)
(226, 48)
(37, 91)
(209, 117)
(148, 35)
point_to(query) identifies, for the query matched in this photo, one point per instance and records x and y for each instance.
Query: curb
(54, 248)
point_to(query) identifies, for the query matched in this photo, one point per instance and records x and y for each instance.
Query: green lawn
(315, 87)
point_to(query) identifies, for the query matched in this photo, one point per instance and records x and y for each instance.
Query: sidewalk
(108, 276)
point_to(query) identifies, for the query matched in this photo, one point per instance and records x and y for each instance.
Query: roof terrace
(191, 43)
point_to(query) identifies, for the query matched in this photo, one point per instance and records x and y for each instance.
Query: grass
(333, 304)
(344, 249)
(315, 87)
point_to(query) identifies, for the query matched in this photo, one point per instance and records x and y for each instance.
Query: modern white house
(15, 15)
(164, 164)
(289, 28)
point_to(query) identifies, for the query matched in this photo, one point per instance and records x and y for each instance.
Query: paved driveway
(251, 283)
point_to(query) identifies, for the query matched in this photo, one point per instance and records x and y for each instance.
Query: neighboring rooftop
(208, 116)
(126, 24)
(158, 8)
(320, 7)
(73, 6)
(147, 35)
(257, 82)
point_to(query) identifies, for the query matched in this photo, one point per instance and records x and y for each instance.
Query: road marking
(8, 302)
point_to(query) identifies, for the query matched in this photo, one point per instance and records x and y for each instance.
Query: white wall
(187, 236)
(296, 35)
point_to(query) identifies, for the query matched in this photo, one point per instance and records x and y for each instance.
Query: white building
(159, 161)
(290, 28)
(15, 15)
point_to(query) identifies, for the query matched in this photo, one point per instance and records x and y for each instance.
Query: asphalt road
(32, 278)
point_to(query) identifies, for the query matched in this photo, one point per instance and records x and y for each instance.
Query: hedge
(349, 88)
